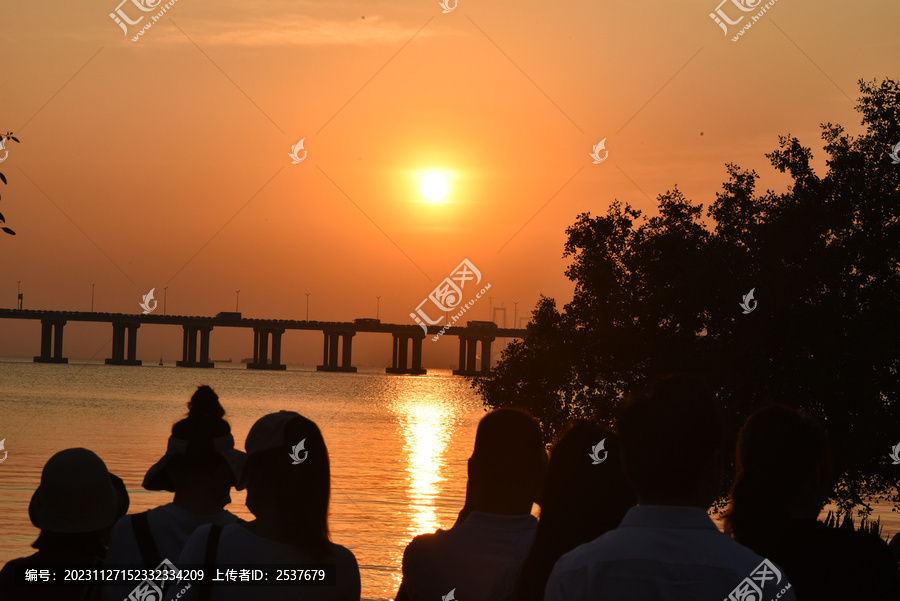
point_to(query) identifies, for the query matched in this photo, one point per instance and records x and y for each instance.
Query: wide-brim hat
(159, 478)
(77, 494)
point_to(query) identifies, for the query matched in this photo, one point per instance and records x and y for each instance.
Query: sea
(398, 445)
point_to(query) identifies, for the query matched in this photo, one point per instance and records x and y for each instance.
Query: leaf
(2, 218)
(8, 231)
(14, 139)
(2, 178)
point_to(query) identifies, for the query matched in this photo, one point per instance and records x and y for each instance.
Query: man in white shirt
(667, 548)
(479, 558)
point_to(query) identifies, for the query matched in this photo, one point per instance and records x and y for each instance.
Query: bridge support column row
(51, 336)
(118, 344)
(401, 353)
(261, 349)
(468, 346)
(189, 349)
(330, 351)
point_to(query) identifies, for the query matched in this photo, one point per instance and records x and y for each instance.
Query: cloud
(305, 30)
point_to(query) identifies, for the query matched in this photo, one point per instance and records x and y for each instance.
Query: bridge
(267, 333)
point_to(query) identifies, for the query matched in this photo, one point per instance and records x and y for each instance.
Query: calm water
(398, 444)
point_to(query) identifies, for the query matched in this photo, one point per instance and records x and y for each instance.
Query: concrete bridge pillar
(189, 347)
(118, 344)
(261, 349)
(51, 342)
(468, 346)
(400, 354)
(330, 351)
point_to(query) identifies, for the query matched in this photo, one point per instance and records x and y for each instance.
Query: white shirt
(480, 559)
(664, 553)
(239, 546)
(170, 527)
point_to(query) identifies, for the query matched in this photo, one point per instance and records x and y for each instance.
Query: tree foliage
(661, 294)
(3, 140)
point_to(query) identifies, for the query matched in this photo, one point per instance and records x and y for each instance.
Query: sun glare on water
(434, 186)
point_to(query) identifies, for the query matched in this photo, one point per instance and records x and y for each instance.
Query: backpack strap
(209, 559)
(149, 552)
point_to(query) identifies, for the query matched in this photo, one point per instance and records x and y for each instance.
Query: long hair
(581, 500)
(779, 447)
(301, 492)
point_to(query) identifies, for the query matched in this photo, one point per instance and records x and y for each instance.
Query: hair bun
(205, 404)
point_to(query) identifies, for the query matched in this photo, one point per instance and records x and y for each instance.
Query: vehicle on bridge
(481, 324)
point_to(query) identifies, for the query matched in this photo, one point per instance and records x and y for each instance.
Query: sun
(434, 186)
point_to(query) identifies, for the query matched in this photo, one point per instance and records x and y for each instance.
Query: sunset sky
(164, 162)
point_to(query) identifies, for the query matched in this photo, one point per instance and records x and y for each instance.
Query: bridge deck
(288, 324)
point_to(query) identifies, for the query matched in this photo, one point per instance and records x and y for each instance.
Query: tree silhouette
(3, 140)
(662, 294)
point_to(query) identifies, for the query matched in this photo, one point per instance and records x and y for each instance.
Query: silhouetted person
(585, 495)
(288, 479)
(75, 505)
(479, 558)
(784, 476)
(667, 548)
(200, 466)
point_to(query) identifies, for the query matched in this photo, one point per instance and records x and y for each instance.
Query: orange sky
(170, 154)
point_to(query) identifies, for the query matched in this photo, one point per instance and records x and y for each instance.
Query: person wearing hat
(75, 505)
(288, 480)
(200, 466)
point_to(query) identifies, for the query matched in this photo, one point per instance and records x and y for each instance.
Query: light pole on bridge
(92, 297)
(307, 306)
(237, 300)
(377, 306)
(165, 295)
(19, 293)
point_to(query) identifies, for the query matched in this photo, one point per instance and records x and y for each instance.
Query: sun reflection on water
(426, 427)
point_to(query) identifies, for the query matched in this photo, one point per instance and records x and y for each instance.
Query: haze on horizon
(163, 163)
